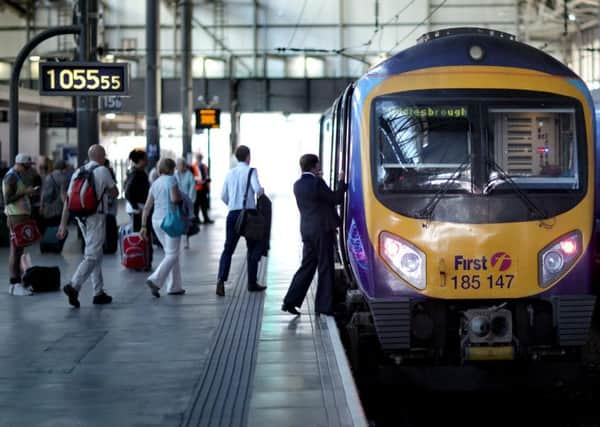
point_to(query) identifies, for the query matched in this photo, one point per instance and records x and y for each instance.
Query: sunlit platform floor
(185, 360)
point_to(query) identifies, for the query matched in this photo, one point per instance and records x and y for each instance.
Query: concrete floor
(143, 361)
(134, 362)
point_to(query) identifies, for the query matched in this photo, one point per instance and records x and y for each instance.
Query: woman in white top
(163, 193)
(187, 185)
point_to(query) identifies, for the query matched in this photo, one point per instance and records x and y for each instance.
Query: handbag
(25, 234)
(173, 224)
(250, 224)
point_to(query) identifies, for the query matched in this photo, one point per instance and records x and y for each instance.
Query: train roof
(453, 47)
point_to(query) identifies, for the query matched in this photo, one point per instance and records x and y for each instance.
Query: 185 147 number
(476, 281)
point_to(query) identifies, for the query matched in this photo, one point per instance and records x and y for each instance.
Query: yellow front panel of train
(468, 261)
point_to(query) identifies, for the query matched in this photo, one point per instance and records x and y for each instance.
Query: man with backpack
(87, 201)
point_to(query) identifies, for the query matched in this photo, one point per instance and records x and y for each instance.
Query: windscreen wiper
(538, 213)
(427, 211)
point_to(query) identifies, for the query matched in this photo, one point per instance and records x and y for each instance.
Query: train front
(470, 212)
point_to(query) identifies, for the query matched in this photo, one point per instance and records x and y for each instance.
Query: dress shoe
(257, 288)
(290, 309)
(220, 288)
(180, 292)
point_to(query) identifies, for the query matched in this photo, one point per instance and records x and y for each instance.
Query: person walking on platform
(202, 177)
(187, 185)
(318, 223)
(92, 224)
(234, 189)
(18, 210)
(163, 193)
(54, 194)
(137, 187)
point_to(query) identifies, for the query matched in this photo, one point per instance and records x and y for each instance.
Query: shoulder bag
(250, 223)
(173, 224)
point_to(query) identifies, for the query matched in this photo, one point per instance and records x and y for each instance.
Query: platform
(179, 360)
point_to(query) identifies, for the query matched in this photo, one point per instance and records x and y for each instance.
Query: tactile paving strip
(222, 395)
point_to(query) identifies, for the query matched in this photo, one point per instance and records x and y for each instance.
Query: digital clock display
(85, 78)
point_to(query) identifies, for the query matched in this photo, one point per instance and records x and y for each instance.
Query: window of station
(536, 148)
(422, 147)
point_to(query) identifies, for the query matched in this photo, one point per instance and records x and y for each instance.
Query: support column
(153, 89)
(186, 74)
(87, 106)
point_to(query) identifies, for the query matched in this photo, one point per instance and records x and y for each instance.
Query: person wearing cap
(93, 228)
(18, 210)
(54, 195)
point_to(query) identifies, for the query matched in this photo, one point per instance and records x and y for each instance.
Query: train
(469, 226)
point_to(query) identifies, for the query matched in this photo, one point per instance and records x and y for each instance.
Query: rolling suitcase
(135, 252)
(50, 243)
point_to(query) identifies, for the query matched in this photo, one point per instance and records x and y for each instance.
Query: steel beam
(186, 74)
(152, 88)
(87, 106)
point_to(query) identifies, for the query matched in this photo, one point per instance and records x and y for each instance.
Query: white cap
(24, 159)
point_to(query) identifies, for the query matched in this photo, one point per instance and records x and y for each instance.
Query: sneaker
(21, 291)
(180, 292)
(73, 295)
(153, 288)
(102, 298)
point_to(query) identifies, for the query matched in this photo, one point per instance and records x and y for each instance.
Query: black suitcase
(111, 243)
(42, 279)
(50, 243)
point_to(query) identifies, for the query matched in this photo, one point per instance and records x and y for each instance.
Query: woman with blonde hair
(163, 194)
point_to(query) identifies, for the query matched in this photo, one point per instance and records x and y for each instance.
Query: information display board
(208, 118)
(83, 78)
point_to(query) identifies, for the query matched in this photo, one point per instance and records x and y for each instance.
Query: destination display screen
(208, 118)
(85, 78)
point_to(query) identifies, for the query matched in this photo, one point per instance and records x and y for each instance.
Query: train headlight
(558, 257)
(405, 259)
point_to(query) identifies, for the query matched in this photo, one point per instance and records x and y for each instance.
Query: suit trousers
(317, 254)
(255, 250)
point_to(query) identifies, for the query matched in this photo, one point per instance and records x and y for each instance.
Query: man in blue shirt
(233, 196)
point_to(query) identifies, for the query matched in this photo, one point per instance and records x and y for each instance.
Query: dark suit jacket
(316, 203)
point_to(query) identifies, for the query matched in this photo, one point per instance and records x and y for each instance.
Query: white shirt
(103, 182)
(235, 185)
(161, 193)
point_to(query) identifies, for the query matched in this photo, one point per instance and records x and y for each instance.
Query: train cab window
(535, 148)
(422, 147)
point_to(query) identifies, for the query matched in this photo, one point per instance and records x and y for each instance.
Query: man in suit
(318, 223)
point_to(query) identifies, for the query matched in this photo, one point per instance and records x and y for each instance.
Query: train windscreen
(423, 147)
(474, 146)
(535, 148)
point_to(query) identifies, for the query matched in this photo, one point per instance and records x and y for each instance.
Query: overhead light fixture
(34, 58)
(110, 116)
(572, 17)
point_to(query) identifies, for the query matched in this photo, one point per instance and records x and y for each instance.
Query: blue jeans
(231, 241)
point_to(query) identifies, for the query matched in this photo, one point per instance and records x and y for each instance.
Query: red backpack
(83, 200)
